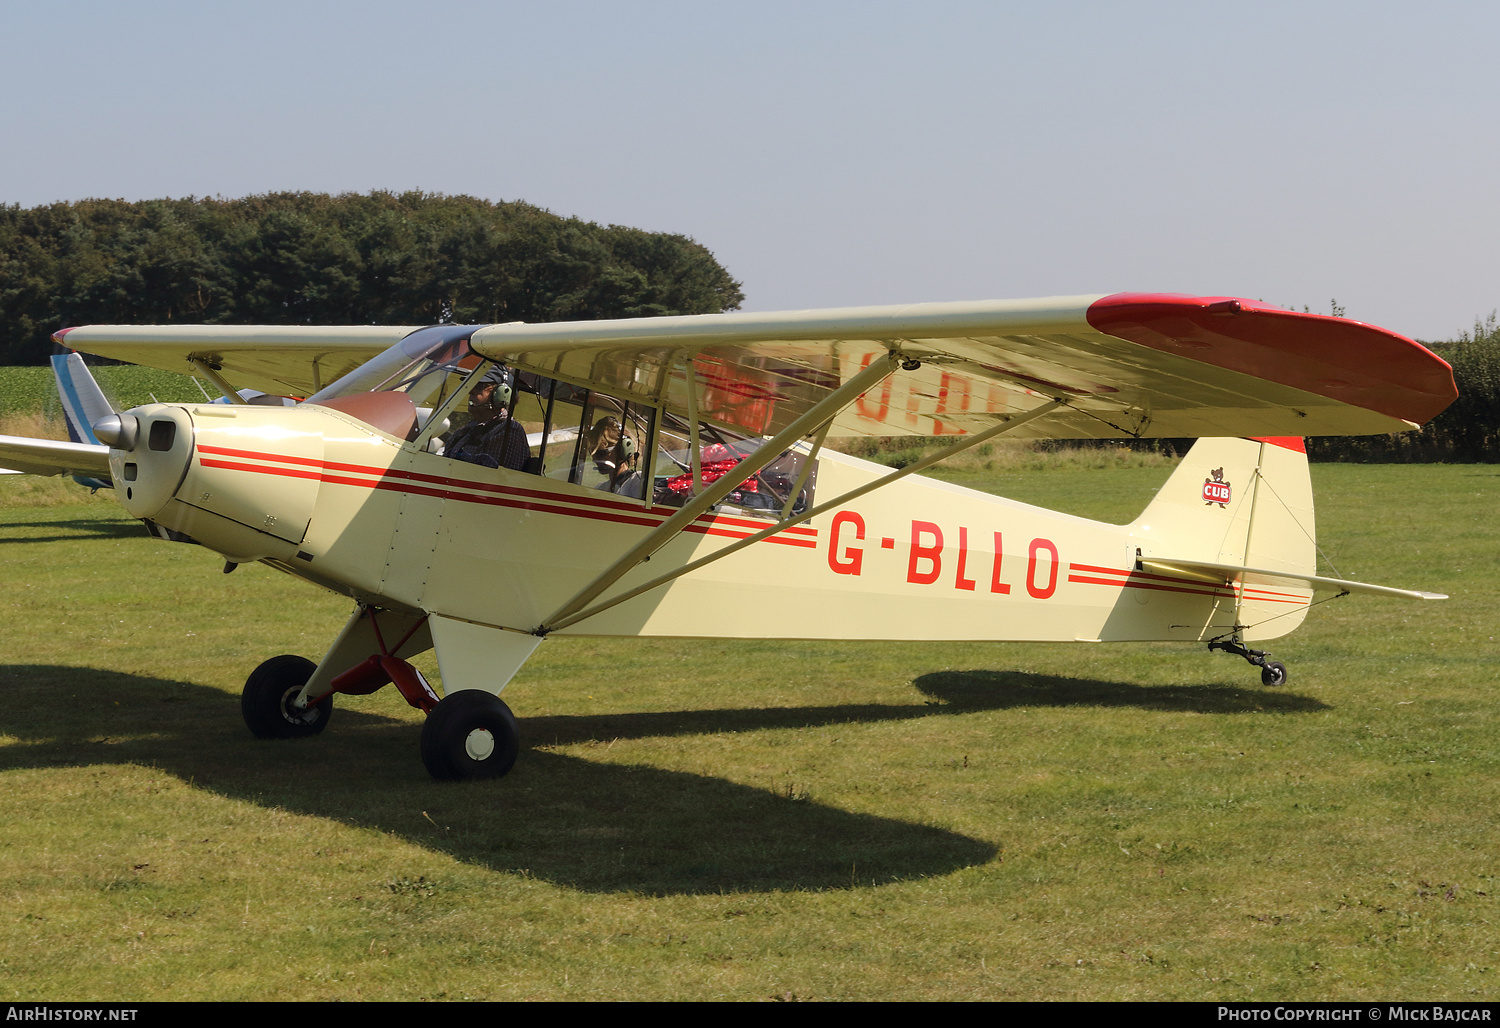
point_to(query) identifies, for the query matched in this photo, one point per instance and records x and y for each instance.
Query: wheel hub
(479, 744)
(305, 716)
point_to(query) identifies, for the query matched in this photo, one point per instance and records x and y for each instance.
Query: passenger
(602, 438)
(492, 438)
(618, 466)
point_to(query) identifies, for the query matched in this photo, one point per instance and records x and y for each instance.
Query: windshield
(418, 365)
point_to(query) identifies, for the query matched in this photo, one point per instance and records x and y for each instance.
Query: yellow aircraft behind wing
(475, 489)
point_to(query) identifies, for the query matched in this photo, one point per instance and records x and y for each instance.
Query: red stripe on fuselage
(1130, 579)
(404, 481)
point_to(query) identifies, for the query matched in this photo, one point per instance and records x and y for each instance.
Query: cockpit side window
(785, 485)
(564, 408)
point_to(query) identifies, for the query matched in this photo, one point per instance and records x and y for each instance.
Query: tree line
(350, 259)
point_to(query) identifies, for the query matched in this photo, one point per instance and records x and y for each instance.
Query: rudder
(1244, 502)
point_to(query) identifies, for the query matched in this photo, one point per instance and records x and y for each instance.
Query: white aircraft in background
(671, 479)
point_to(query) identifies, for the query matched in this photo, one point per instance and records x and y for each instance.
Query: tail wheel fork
(1272, 672)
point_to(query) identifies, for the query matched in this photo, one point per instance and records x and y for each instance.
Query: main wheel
(1273, 672)
(269, 691)
(470, 734)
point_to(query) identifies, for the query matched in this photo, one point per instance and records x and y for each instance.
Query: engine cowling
(241, 480)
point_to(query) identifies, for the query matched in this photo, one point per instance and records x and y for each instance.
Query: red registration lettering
(1046, 546)
(997, 586)
(920, 553)
(874, 411)
(960, 582)
(848, 562)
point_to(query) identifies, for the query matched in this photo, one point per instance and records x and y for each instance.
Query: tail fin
(1244, 503)
(83, 403)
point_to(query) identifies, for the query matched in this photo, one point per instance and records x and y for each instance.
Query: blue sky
(831, 153)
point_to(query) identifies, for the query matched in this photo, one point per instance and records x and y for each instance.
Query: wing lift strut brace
(816, 419)
(211, 372)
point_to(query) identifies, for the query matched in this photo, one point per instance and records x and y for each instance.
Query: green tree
(313, 258)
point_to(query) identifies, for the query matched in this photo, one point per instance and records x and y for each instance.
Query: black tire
(470, 734)
(1273, 673)
(269, 690)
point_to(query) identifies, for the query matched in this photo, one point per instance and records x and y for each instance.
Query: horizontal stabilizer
(1226, 573)
(51, 457)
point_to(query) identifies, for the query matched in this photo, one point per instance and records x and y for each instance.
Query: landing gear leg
(1272, 672)
(269, 705)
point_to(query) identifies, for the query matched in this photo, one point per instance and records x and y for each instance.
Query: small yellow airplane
(476, 489)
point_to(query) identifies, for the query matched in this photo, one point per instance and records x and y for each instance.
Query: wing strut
(824, 410)
(926, 462)
(212, 374)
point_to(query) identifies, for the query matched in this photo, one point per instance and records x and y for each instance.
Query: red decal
(960, 582)
(920, 553)
(847, 563)
(1215, 489)
(1041, 592)
(1216, 492)
(997, 586)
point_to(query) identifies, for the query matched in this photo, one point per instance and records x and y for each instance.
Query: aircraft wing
(1226, 573)
(1127, 365)
(288, 360)
(51, 457)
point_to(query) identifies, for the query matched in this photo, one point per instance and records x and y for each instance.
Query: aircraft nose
(118, 431)
(149, 452)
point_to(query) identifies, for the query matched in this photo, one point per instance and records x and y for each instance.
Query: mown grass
(754, 820)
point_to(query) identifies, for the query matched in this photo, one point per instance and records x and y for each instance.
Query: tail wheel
(266, 702)
(470, 734)
(1273, 672)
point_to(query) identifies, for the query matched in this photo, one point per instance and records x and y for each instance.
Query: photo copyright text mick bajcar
(1362, 1013)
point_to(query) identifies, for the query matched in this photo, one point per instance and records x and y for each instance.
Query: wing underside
(1125, 366)
(285, 360)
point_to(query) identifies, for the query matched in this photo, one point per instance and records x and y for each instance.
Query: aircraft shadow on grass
(72, 530)
(998, 690)
(584, 824)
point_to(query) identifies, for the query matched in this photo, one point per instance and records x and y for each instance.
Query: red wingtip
(57, 337)
(1346, 360)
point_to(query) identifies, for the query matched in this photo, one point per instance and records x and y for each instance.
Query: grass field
(747, 820)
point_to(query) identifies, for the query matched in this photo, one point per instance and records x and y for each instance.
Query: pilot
(491, 438)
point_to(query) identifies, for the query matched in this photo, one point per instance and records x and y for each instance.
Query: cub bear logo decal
(1215, 489)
